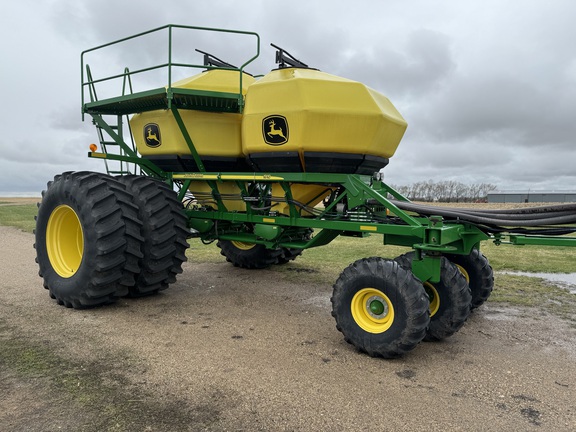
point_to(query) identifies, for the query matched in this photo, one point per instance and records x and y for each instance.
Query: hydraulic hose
(541, 216)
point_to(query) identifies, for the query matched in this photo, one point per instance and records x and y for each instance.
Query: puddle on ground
(562, 280)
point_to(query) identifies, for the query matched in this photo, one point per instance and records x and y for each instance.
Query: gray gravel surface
(226, 349)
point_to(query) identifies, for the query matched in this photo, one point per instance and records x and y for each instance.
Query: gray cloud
(488, 88)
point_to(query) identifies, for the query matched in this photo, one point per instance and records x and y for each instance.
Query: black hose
(551, 215)
(568, 208)
(526, 210)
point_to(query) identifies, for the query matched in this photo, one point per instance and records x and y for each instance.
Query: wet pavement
(562, 280)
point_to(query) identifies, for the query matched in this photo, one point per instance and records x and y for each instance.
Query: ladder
(110, 146)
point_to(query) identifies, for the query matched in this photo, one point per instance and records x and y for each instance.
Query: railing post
(169, 93)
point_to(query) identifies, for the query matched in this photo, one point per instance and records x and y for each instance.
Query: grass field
(324, 264)
(21, 216)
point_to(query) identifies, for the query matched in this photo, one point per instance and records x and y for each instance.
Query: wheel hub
(372, 310)
(377, 307)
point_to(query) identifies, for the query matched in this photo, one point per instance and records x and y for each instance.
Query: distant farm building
(531, 197)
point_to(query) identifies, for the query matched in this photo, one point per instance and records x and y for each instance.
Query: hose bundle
(510, 220)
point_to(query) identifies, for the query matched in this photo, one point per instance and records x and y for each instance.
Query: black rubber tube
(563, 216)
(528, 210)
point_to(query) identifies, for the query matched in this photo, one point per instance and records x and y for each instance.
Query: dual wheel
(384, 310)
(99, 238)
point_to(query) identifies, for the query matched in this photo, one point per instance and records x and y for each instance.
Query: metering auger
(267, 167)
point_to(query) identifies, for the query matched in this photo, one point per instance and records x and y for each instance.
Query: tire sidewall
(405, 293)
(349, 324)
(480, 274)
(257, 257)
(454, 296)
(60, 193)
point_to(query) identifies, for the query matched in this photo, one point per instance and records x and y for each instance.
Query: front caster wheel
(289, 254)
(449, 299)
(380, 307)
(478, 273)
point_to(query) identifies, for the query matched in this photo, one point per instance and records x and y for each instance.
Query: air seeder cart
(267, 167)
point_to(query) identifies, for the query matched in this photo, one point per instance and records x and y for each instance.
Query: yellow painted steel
(464, 272)
(365, 317)
(324, 113)
(243, 245)
(433, 296)
(64, 241)
(368, 228)
(247, 177)
(213, 134)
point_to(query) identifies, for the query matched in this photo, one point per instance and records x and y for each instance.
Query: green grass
(324, 264)
(534, 293)
(343, 251)
(19, 216)
(547, 259)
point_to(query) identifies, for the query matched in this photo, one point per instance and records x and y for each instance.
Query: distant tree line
(446, 191)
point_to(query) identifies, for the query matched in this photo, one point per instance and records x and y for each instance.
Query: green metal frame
(361, 208)
(165, 97)
(368, 211)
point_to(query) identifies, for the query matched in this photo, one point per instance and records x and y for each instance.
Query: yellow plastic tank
(230, 192)
(216, 136)
(307, 194)
(304, 120)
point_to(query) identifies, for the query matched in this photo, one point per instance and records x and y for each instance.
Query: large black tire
(289, 254)
(165, 233)
(88, 242)
(248, 255)
(449, 299)
(478, 273)
(380, 307)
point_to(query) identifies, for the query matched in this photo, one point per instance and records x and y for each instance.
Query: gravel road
(227, 349)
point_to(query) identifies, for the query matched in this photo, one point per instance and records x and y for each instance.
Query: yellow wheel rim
(464, 272)
(64, 241)
(242, 245)
(372, 310)
(434, 298)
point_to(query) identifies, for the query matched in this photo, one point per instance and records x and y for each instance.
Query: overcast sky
(488, 87)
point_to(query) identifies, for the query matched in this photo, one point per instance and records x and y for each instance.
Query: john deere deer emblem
(152, 135)
(275, 130)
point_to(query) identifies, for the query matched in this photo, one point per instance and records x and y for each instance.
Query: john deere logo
(275, 130)
(152, 135)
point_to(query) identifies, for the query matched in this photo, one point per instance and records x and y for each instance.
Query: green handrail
(88, 81)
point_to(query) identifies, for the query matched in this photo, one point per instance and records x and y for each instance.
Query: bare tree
(446, 191)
